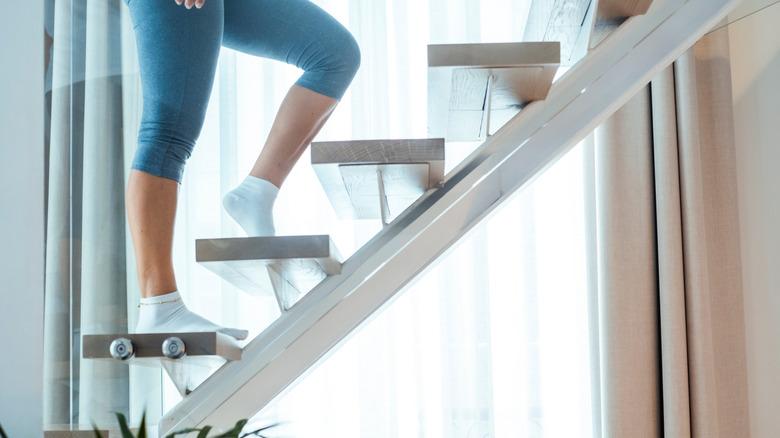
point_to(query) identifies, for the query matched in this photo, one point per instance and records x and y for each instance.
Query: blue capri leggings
(178, 50)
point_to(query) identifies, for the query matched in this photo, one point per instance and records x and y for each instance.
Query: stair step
(484, 85)
(149, 345)
(611, 14)
(286, 266)
(566, 21)
(578, 24)
(622, 8)
(203, 353)
(350, 172)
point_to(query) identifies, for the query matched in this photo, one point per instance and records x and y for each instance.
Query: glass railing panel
(90, 284)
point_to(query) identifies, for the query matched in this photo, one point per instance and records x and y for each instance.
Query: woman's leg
(299, 33)
(300, 117)
(151, 210)
(178, 51)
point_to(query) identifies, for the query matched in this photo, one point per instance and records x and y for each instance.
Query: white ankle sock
(251, 205)
(168, 314)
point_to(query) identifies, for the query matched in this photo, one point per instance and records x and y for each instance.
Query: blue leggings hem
(164, 170)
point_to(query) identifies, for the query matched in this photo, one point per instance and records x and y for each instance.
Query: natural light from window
(493, 339)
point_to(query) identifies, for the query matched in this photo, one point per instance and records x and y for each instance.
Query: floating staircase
(512, 155)
(500, 93)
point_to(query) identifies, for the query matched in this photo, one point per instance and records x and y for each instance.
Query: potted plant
(203, 432)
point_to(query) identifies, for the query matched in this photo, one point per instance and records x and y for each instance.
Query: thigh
(297, 32)
(177, 53)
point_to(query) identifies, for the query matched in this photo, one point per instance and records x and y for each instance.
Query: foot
(251, 205)
(168, 314)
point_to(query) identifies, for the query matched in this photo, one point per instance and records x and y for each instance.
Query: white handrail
(510, 159)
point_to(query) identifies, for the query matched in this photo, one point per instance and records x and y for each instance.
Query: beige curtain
(671, 324)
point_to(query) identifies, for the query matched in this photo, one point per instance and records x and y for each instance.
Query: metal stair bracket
(377, 179)
(591, 91)
(286, 266)
(188, 358)
(482, 86)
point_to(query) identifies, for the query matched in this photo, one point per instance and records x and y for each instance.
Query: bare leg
(301, 116)
(151, 211)
(299, 119)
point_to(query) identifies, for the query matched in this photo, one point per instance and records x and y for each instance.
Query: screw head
(174, 348)
(121, 349)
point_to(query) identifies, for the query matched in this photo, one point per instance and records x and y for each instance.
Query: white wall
(21, 217)
(755, 52)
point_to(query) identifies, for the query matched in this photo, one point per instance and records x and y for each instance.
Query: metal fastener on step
(173, 348)
(121, 349)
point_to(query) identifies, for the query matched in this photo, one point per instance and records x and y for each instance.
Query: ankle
(172, 297)
(155, 287)
(272, 177)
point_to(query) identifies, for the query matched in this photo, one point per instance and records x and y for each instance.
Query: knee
(338, 62)
(339, 55)
(348, 55)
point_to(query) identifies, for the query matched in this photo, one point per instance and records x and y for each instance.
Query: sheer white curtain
(492, 341)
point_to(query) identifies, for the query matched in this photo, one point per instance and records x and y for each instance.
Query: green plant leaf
(123, 427)
(204, 433)
(258, 432)
(2, 433)
(142, 427)
(97, 431)
(235, 431)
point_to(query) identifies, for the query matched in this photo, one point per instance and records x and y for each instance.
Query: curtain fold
(671, 271)
(86, 283)
(670, 287)
(104, 385)
(63, 222)
(628, 291)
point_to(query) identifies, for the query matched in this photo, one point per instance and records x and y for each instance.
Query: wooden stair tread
(349, 172)
(149, 345)
(610, 9)
(286, 266)
(460, 76)
(494, 55)
(205, 353)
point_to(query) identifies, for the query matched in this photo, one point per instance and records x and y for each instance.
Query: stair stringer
(509, 160)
